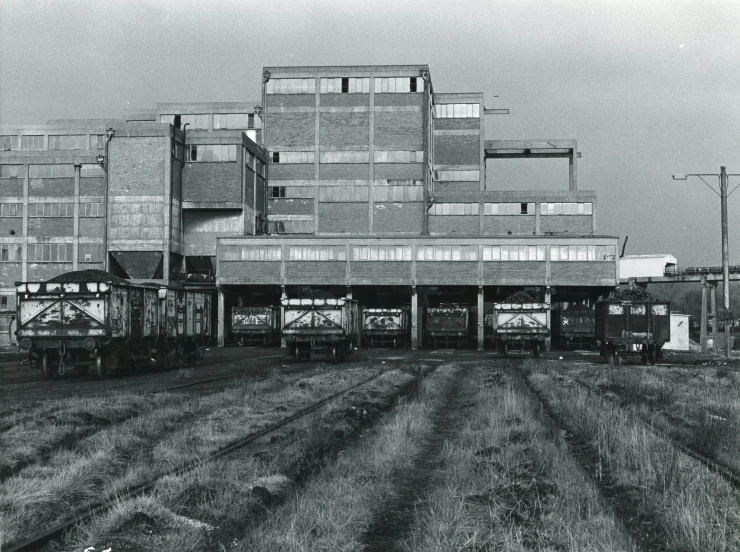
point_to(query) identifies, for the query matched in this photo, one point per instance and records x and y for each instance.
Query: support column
(414, 319)
(573, 171)
(481, 318)
(221, 317)
(703, 330)
(714, 321)
(548, 302)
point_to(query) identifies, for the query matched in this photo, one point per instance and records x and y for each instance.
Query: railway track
(726, 472)
(47, 535)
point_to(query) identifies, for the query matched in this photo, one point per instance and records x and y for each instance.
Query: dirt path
(395, 518)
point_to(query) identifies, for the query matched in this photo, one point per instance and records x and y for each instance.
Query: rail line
(646, 538)
(726, 472)
(58, 530)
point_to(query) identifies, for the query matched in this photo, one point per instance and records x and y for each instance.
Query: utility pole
(725, 258)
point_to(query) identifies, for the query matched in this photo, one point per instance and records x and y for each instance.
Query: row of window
(317, 254)
(212, 153)
(56, 142)
(292, 157)
(11, 209)
(87, 170)
(398, 156)
(345, 85)
(454, 209)
(345, 183)
(236, 121)
(52, 210)
(62, 253)
(294, 192)
(425, 253)
(348, 195)
(566, 208)
(345, 156)
(457, 111)
(457, 176)
(254, 163)
(508, 209)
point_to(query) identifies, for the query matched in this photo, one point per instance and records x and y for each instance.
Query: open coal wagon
(519, 326)
(319, 326)
(574, 328)
(633, 328)
(385, 326)
(255, 325)
(447, 325)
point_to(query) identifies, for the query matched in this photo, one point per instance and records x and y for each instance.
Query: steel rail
(43, 537)
(726, 472)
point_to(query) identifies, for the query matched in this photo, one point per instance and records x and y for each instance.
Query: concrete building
(362, 180)
(647, 266)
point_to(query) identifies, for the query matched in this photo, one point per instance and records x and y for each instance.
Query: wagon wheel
(49, 365)
(644, 359)
(163, 360)
(297, 353)
(334, 353)
(264, 341)
(506, 349)
(536, 350)
(653, 356)
(101, 365)
(395, 342)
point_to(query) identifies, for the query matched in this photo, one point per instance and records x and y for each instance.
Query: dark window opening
(177, 121)
(193, 153)
(523, 208)
(345, 85)
(277, 191)
(413, 85)
(4, 302)
(276, 157)
(250, 121)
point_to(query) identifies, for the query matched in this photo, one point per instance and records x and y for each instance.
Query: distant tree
(673, 292)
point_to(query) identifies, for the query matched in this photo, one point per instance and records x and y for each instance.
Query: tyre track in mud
(395, 518)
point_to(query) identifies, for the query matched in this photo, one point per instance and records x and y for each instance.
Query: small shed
(646, 266)
(679, 333)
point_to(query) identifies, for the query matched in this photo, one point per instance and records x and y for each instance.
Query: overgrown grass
(697, 509)
(221, 499)
(507, 482)
(334, 510)
(110, 460)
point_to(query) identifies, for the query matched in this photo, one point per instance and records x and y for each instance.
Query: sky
(648, 88)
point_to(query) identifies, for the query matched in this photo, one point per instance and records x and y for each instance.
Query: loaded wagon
(319, 326)
(520, 326)
(255, 325)
(385, 326)
(632, 328)
(447, 325)
(94, 319)
(574, 328)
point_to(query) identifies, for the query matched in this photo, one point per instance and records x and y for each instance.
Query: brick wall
(212, 182)
(40, 272)
(342, 129)
(398, 217)
(453, 225)
(244, 272)
(570, 224)
(291, 129)
(203, 227)
(11, 223)
(458, 187)
(351, 218)
(460, 273)
(501, 225)
(92, 187)
(575, 273)
(92, 227)
(11, 187)
(456, 150)
(131, 220)
(345, 100)
(290, 206)
(343, 171)
(515, 273)
(376, 272)
(51, 227)
(298, 171)
(456, 124)
(401, 130)
(308, 272)
(401, 171)
(10, 273)
(51, 187)
(137, 166)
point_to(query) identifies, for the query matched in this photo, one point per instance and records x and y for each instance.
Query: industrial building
(361, 180)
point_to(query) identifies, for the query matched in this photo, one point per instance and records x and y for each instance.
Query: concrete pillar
(714, 320)
(221, 318)
(573, 171)
(548, 302)
(481, 318)
(703, 331)
(414, 319)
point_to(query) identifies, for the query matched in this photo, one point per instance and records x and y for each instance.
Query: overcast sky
(648, 88)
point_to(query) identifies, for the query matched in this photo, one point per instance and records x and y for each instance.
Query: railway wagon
(574, 328)
(448, 325)
(255, 325)
(632, 328)
(521, 326)
(97, 320)
(385, 326)
(320, 326)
